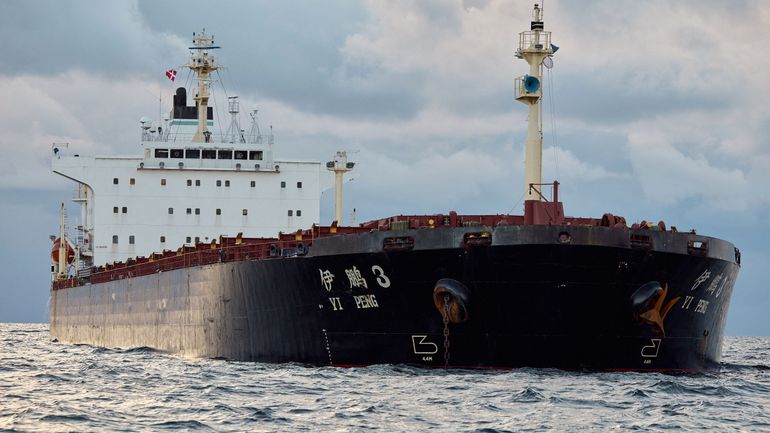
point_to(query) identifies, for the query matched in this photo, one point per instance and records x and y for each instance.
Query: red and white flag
(171, 74)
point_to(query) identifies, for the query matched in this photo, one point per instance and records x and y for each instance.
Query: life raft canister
(457, 297)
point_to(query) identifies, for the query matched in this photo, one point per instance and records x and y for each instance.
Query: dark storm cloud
(290, 51)
(618, 97)
(50, 37)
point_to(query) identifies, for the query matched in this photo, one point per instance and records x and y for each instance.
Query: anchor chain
(446, 331)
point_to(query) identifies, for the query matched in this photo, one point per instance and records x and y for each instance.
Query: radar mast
(202, 64)
(534, 47)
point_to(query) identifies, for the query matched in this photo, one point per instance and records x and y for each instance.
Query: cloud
(93, 114)
(461, 56)
(105, 38)
(702, 155)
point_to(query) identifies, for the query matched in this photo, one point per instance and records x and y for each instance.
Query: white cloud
(95, 115)
(563, 164)
(464, 54)
(667, 175)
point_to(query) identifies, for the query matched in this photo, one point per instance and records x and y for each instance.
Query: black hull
(532, 301)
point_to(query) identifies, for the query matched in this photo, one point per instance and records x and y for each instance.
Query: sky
(654, 110)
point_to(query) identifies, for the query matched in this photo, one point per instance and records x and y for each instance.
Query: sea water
(54, 387)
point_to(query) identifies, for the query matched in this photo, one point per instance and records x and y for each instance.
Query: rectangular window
(189, 182)
(219, 183)
(209, 154)
(291, 212)
(132, 181)
(189, 211)
(177, 153)
(115, 209)
(131, 240)
(240, 154)
(255, 155)
(115, 239)
(192, 154)
(283, 184)
(253, 183)
(227, 183)
(187, 240)
(125, 209)
(197, 182)
(163, 182)
(299, 212)
(162, 239)
(161, 153)
(299, 184)
(225, 154)
(197, 211)
(197, 240)
(171, 211)
(219, 211)
(114, 180)
(245, 212)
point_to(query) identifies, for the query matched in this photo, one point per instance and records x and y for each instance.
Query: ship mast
(202, 64)
(339, 166)
(534, 47)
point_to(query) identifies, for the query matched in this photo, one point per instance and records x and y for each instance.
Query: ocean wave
(47, 386)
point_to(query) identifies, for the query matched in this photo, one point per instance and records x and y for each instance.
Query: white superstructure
(189, 185)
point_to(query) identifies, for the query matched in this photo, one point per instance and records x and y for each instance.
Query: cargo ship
(206, 245)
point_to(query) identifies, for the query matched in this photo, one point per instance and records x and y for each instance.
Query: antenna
(233, 132)
(255, 136)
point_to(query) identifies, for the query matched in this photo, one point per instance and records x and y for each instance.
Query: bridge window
(225, 154)
(209, 154)
(255, 155)
(161, 153)
(177, 153)
(240, 154)
(192, 153)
